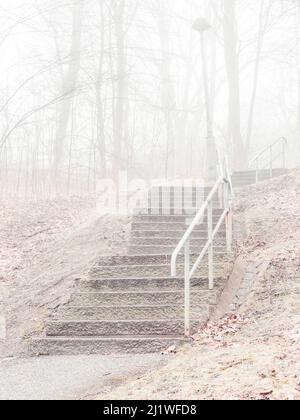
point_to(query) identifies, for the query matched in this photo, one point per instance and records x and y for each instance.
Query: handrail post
(229, 221)
(212, 230)
(211, 246)
(225, 195)
(187, 288)
(270, 151)
(229, 231)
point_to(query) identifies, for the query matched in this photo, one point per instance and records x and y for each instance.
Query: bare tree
(232, 69)
(264, 14)
(124, 91)
(298, 59)
(68, 87)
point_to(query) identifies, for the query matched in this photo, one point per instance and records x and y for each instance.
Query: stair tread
(174, 238)
(116, 321)
(171, 246)
(112, 337)
(148, 292)
(144, 278)
(163, 223)
(138, 265)
(122, 306)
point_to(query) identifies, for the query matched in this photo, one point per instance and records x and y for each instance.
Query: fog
(90, 88)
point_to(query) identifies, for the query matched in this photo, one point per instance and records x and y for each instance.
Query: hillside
(253, 351)
(44, 247)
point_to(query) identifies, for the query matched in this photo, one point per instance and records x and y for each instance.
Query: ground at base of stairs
(70, 377)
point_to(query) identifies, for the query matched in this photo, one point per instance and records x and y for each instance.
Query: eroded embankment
(44, 247)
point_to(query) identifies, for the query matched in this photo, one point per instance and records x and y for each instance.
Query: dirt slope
(44, 247)
(253, 353)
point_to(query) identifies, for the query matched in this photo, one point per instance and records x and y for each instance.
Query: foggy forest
(149, 202)
(91, 87)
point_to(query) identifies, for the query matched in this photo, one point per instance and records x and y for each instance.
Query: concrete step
(246, 183)
(238, 187)
(142, 260)
(143, 284)
(129, 260)
(241, 183)
(179, 194)
(178, 234)
(168, 250)
(172, 211)
(251, 179)
(103, 345)
(184, 202)
(263, 172)
(172, 218)
(153, 297)
(162, 270)
(175, 189)
(181, 227)
(132, 312)
(118, 328)
(195, 242)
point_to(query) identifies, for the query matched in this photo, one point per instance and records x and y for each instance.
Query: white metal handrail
(224, 183)
(270, 150)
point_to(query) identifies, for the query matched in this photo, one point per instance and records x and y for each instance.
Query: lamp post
(202, 26)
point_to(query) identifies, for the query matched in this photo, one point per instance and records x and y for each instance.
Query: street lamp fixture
(201, 25)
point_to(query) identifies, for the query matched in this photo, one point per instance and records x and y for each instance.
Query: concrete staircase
(244, 178)
(130, 303)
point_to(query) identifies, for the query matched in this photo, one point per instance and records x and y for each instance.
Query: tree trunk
(232, 68)
(168, 97)
(69, 84)
(101, 146)
(260, 41)
(120, 88)
(298, 64)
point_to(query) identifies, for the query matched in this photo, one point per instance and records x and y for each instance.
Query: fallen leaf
(170, 350)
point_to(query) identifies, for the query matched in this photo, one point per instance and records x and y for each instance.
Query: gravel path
(69, 377)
